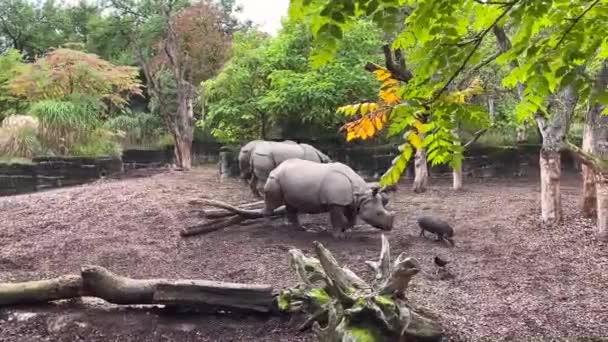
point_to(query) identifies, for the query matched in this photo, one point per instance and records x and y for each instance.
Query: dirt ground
(512, 279)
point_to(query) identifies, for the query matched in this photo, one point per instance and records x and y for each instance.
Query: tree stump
(351, 309)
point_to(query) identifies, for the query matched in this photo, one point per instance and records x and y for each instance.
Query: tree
(552, 42)
(595, 138)
(33, 28)
(64, 72)
(189, 59)
(10, 66)
(269, 81)
(234, 99)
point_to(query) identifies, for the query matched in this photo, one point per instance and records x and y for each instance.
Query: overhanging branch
(574, 22)
(473, 50)
(395, 64)
(598, 165)
(476, 136)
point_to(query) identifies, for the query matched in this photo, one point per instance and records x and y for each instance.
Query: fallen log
(96, 281)
(257, 298)
(40, 291)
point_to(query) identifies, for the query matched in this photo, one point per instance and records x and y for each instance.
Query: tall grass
(19, 137)
(64, 124)
(138, 129)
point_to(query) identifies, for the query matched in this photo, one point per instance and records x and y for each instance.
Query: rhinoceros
(307, 187)
(264, 156)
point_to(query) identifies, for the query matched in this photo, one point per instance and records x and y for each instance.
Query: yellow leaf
(379, 121)
(364, 108)
(389, 82)
(350, 135)
(389, 97)
(368, 127)
(415, 140)
(373, 107)
(419, 125)
(382, 74)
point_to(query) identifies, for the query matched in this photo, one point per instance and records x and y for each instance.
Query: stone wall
(480, 161)
(369, 161)
(53, 172)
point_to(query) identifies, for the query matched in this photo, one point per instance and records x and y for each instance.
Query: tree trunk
(184, 129)
(457, 177)
(602, 207)
(183, 151)
(521, 134)
(596, 130)
(589, 191)
(491, 108)
(550, 173)
(421, 171)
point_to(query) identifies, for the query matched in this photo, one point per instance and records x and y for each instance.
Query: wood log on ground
(40, 291)
(257, 298)
(96, 281)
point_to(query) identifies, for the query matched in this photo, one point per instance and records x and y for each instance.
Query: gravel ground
(510, 278)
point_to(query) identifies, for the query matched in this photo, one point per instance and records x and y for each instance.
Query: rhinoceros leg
(253, 184)
(292, 217)
(339, 221)
(351, 217)
(260, 187)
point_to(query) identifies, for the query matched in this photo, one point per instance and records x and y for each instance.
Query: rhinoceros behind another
(308, 187)
(264, 156)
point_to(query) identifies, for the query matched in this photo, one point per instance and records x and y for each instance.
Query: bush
(64, 124)
(19, 137)
(100, 143)
(140, 129)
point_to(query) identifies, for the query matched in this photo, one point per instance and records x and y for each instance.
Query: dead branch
(212, 226)
(228, 215)
(96, 281)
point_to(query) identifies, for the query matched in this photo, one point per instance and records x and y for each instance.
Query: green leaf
(392, 175)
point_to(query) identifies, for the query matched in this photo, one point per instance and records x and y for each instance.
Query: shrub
(139, 129)
(100, 143)
(64, 124)
(19, 137)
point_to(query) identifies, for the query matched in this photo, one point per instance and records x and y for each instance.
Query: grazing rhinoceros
(245, 157)
(308, 187)
(264, 156)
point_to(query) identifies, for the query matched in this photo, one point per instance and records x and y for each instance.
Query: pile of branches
(226, 215)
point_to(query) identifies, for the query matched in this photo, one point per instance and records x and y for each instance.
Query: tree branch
(476, 136)
(598, 165)
(574, 22)
(502, 3)
(397, 68)
(475, 47)
(476, 68)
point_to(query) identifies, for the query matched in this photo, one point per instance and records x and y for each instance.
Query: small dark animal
(440, 262)
(440, 228)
